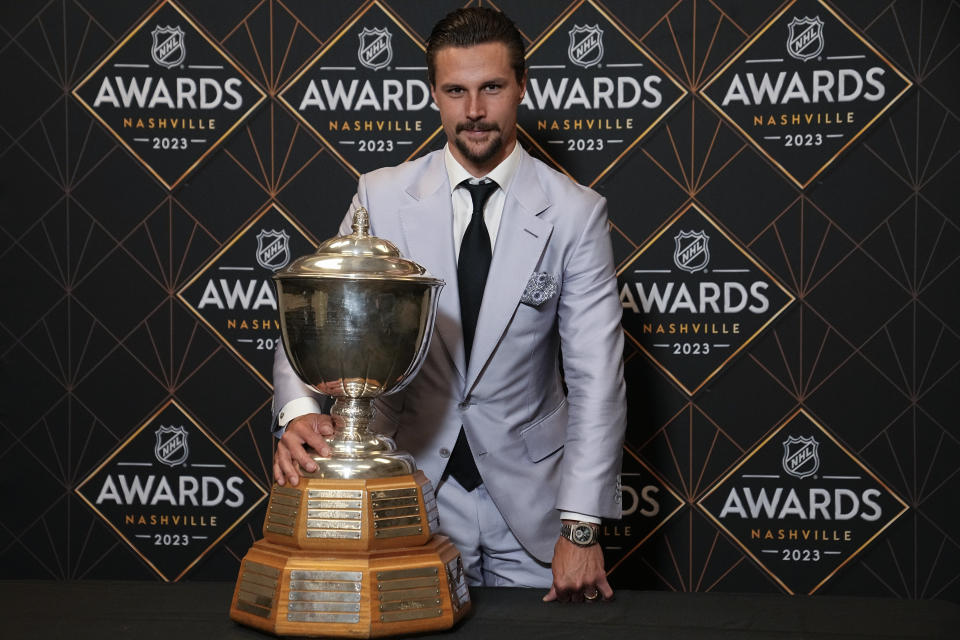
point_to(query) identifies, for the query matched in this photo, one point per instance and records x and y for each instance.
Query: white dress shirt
(503, 175)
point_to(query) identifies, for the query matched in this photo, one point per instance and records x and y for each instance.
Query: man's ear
(523, 85)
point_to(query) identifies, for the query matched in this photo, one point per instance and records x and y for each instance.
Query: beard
(484, 154)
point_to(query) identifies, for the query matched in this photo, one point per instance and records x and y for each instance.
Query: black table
(199, 611)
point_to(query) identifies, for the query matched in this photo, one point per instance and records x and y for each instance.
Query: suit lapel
(521, 240)
(427, 226)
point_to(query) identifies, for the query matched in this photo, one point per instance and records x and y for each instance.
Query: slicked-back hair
(471, 26)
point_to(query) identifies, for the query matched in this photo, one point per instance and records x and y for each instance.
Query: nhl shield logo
(375, 50)
(691, 250)
(273, 249)
(168, 49)
(801, 456)
(171, 447)
(805, 38)
(586, 45)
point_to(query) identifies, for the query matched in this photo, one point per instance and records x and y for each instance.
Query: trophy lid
(358, 256)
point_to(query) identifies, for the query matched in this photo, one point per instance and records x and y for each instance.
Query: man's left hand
(578, 574)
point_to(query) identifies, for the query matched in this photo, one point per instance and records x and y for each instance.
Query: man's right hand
(308, 429)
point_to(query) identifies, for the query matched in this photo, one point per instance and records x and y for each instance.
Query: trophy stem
(355, 414)
(357, 451)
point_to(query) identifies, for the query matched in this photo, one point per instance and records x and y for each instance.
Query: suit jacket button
(444, 452)
(463, 406)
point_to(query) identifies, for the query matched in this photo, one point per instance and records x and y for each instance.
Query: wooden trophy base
(352, 515)
(351, 558)
(361, 594)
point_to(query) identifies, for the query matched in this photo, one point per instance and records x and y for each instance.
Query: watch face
(582, 534)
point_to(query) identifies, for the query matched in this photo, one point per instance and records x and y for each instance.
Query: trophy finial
(361, 222)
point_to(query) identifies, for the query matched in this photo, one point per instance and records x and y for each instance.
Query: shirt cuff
(294, 409)
(573, 515)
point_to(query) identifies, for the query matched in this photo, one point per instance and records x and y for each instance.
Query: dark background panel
(94, 250)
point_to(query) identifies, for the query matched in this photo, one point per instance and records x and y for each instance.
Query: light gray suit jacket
(538, 449)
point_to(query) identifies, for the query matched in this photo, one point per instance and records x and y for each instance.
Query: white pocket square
(540, 287)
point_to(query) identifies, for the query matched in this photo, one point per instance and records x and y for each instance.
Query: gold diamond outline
(746, 47)
(681, 503)
(643, 134)
(340, 33)
(217, 48)
(666, 227)
(776, 430)
(209, 263)
(128, 440)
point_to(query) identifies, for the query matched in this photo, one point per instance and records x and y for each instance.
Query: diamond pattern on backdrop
(96, 250)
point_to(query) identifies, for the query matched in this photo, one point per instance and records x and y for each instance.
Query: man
(515, 459)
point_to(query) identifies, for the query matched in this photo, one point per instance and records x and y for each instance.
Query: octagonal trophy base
(351, 558)
(352, 514)
(351, 594)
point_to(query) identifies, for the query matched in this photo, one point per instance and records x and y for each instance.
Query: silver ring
(591, 596)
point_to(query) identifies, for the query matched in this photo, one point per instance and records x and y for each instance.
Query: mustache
(477, 126)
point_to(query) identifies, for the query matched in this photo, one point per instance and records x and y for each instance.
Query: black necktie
(472, 268)
(474, 262)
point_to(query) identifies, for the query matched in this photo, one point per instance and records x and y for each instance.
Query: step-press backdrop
(783, 188)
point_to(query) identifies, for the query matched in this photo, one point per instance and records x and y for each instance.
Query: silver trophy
(351, 551)
(356, 321)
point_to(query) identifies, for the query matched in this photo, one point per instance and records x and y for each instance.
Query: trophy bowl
(356, 320)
